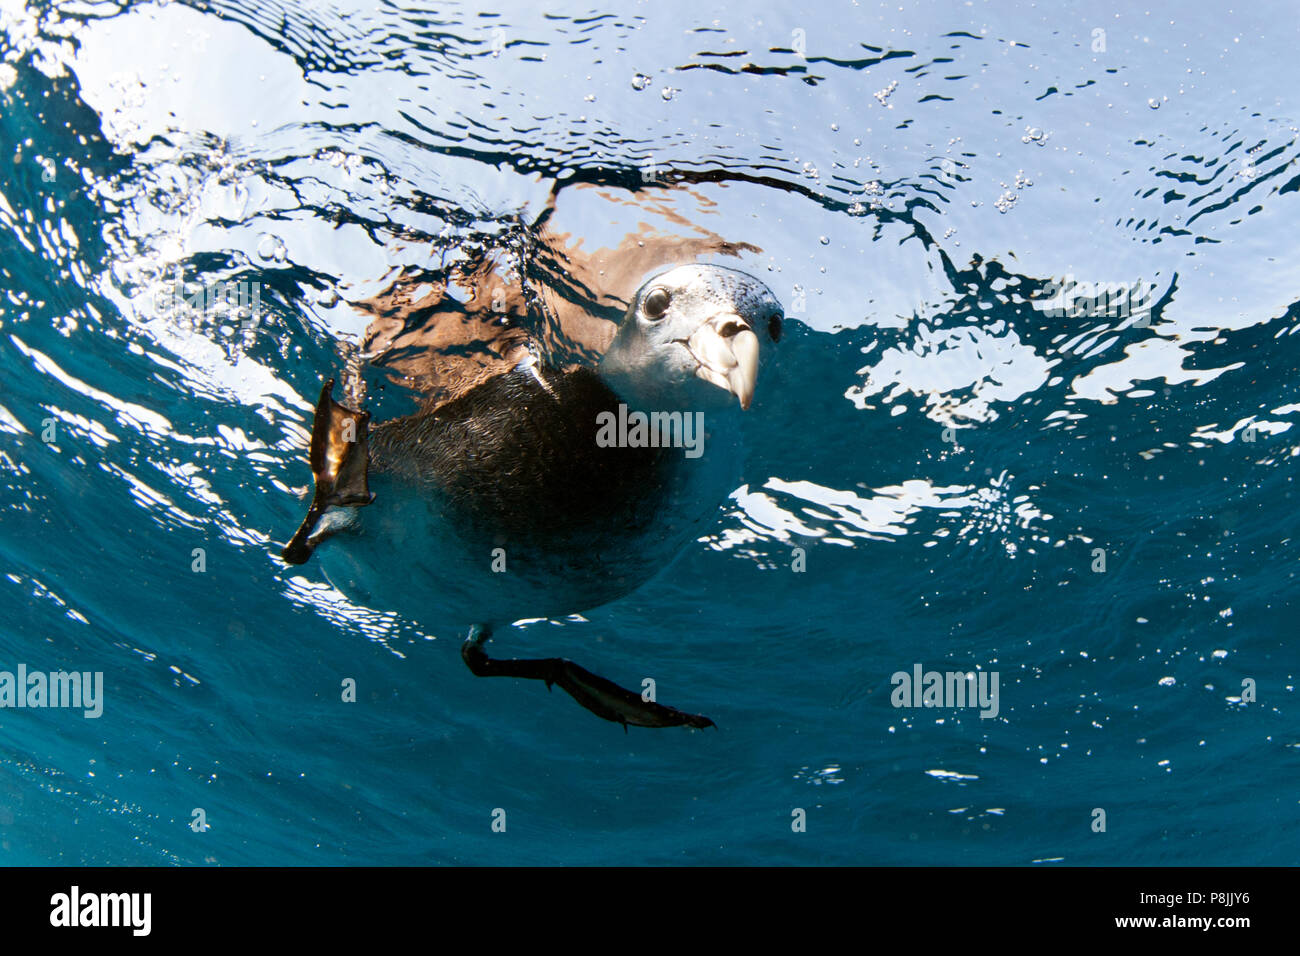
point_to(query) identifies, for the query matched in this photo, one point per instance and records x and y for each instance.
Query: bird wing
(538, 292)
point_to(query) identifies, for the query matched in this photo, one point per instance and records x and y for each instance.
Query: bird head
(693, 335)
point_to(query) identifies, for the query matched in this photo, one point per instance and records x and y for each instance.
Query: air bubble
(271, 248)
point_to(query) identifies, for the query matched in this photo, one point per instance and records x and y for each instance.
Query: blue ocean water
(1033, 418)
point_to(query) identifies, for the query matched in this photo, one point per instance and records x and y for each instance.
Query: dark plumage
(517, 456)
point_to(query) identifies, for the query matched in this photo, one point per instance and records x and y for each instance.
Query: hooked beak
(727, 350)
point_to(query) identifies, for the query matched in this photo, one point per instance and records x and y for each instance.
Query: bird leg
(602, 697)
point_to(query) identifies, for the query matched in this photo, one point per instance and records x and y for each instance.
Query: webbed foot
(340, 461)
(602, 697)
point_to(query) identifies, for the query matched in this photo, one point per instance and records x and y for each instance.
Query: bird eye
(774, 327)
(656, 303)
